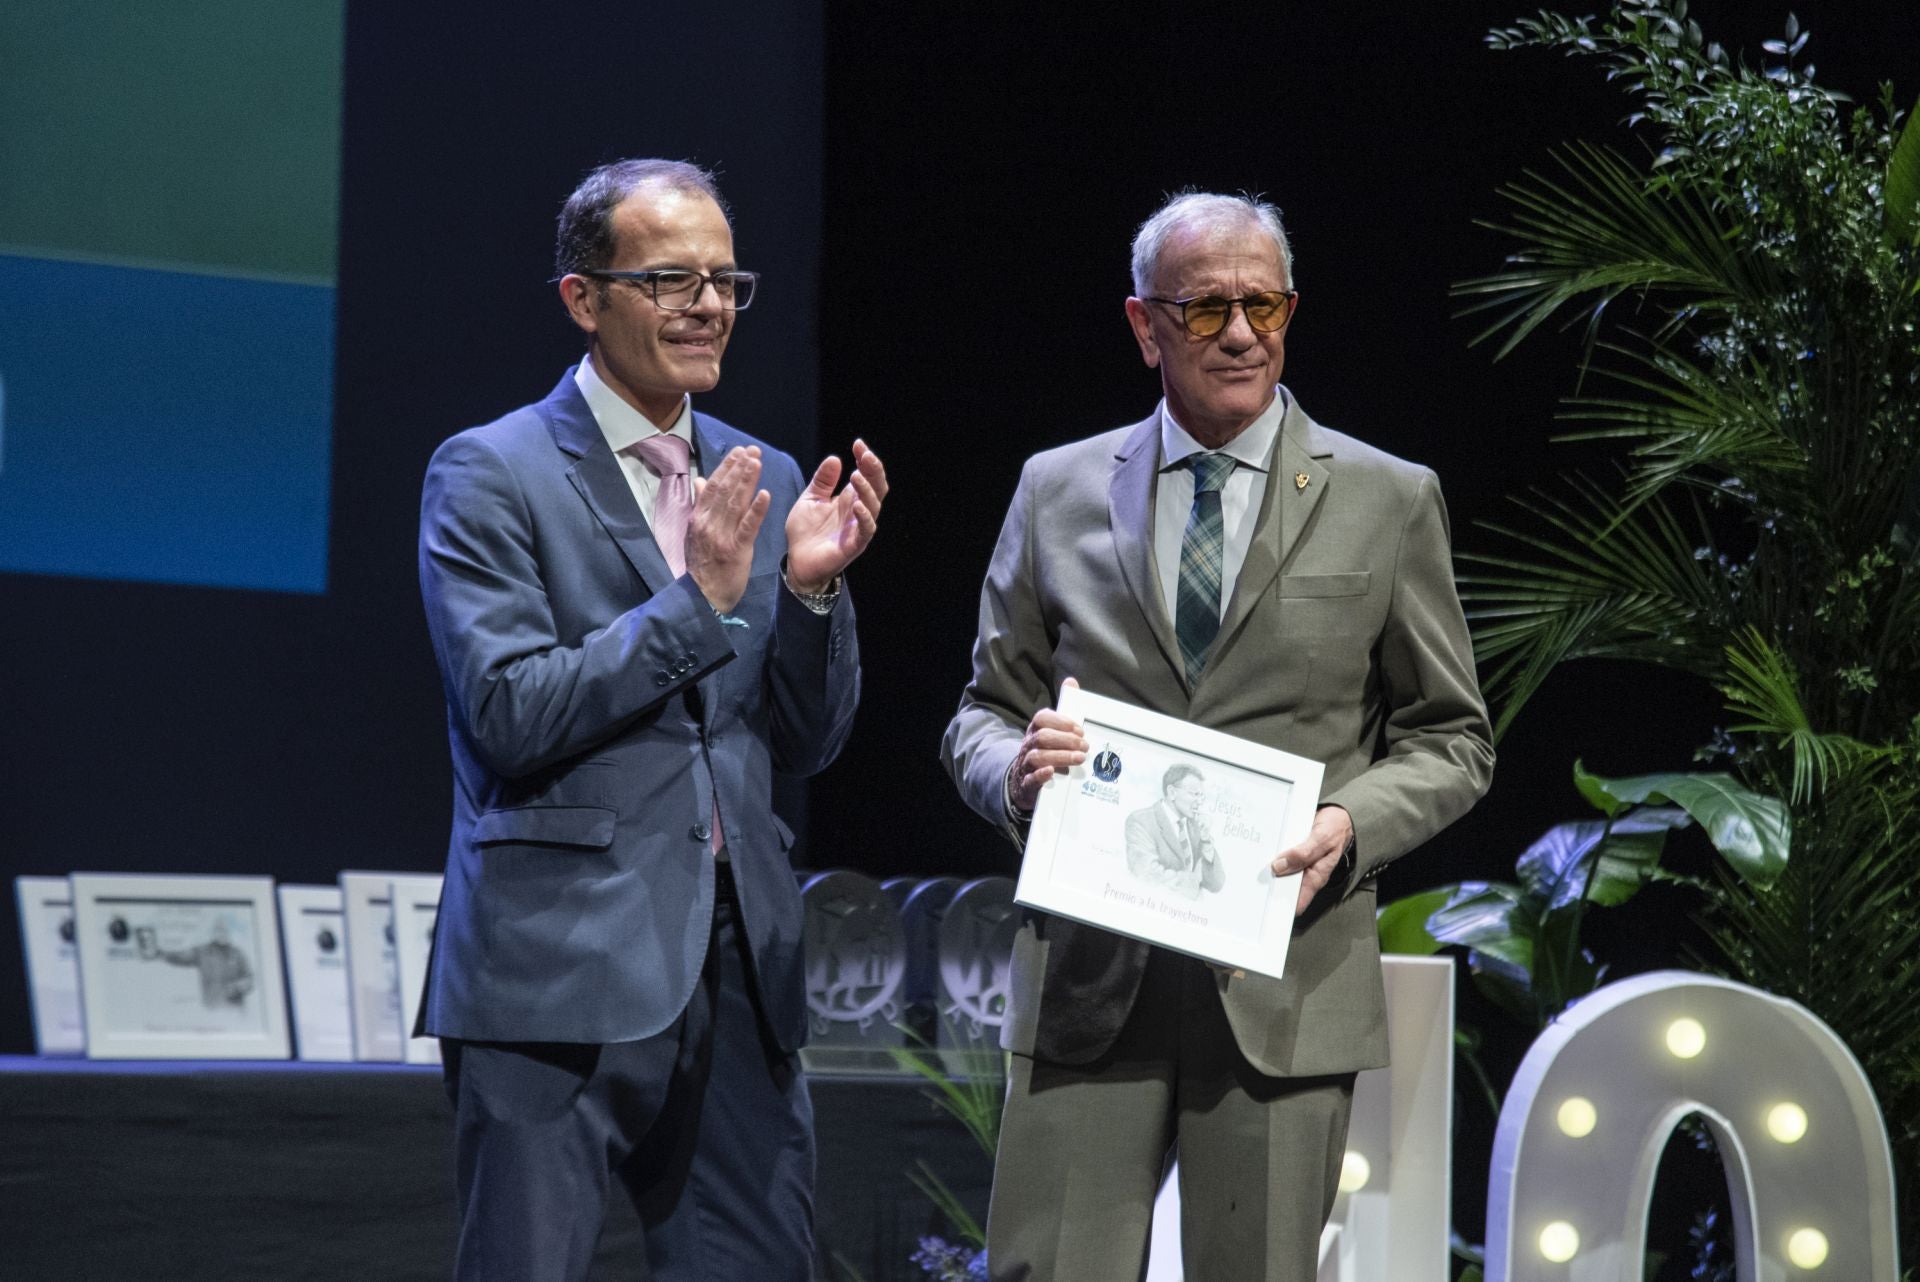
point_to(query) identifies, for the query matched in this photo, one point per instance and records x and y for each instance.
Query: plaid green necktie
(1196, 615)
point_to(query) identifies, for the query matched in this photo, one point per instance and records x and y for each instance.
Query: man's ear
(1142, 322)
(580, 297)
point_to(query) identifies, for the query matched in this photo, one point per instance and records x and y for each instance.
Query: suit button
(661, 678)
(700, 832)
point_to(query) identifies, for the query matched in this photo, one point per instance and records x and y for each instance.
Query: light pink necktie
(667, 457)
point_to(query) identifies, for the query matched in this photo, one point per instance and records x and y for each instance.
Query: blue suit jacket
(597, 707)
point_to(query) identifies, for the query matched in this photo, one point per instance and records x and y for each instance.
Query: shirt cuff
(1015, 815)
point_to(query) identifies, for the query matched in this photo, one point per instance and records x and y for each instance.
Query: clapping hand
(825, 530)
(727, 510)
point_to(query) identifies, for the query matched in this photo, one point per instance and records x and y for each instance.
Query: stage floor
(282, 1171)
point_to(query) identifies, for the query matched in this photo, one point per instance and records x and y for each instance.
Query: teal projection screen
(169, 197)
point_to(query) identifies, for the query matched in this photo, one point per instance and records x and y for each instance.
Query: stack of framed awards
(182, 967)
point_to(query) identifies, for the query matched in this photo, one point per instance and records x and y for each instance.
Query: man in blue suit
(617, 970)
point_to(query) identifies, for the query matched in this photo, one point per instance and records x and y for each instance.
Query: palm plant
(1749, 297)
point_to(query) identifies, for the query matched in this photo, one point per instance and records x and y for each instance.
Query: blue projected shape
(165, 426)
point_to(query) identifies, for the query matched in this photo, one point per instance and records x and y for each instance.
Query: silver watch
(818, 602)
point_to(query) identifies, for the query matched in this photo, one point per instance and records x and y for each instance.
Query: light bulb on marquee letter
(1686, 1038)
(1559, 1241)
(1807, 1248)
(1355, 1171)
(1787, 1122)
(1577, 1117)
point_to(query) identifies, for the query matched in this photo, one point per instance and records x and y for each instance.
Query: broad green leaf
(1403, 923)
(1752, 831)
(1594, 790)
(1555, 868)
(1903, 184)
(1489, 917)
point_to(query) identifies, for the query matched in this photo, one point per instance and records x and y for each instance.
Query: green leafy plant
(1745, 273)
(1524, 941)
(969, 1085)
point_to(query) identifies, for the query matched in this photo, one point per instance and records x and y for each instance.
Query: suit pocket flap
(1315, 585)
(589, 826)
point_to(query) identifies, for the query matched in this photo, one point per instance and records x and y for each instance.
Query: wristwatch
(818, 602)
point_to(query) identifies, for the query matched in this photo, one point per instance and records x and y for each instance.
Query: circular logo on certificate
(1106, 765)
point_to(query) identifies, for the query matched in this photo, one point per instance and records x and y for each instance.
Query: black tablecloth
(135, 1172)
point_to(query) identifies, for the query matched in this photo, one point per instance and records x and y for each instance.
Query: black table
(278, 1171)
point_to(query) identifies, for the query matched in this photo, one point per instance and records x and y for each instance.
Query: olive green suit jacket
(1342, 641)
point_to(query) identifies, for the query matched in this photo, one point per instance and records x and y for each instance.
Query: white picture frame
(53, 964)
(416, 904)
(313, 927)
(373, 980)
(1167, 833)
(179, 967)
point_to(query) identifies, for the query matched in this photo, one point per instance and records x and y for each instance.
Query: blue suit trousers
(707, 1126)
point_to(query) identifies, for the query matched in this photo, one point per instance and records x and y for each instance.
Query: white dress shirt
(1252, 453)
(624, 426)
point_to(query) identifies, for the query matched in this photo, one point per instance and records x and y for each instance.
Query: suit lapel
(711, 443)
(1284, 512)
(597, 476)
(1130, 514)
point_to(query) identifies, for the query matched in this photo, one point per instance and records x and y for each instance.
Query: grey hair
(1176, 772)
(586, 241)
(1202, 209)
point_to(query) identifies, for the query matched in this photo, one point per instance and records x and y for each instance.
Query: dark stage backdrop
(942, 197)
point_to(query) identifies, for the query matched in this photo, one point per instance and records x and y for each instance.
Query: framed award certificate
(53, 967)
(1167, 833)
(313, 921)
(373, 966)
(180, 967)
(416, 903)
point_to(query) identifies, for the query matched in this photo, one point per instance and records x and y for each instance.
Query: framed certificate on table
(313, 922)
(1167, 833)
(416, 903)
(373, 966)
(53, 967)
(180, 967)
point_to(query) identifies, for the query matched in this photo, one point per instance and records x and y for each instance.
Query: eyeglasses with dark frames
(676, 289)
(1207, 314)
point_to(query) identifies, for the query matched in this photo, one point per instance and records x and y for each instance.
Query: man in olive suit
(1233, 563)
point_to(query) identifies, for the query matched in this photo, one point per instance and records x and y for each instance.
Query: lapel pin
(1300, 480)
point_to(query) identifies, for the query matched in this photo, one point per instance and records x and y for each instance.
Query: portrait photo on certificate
(1167, 833)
